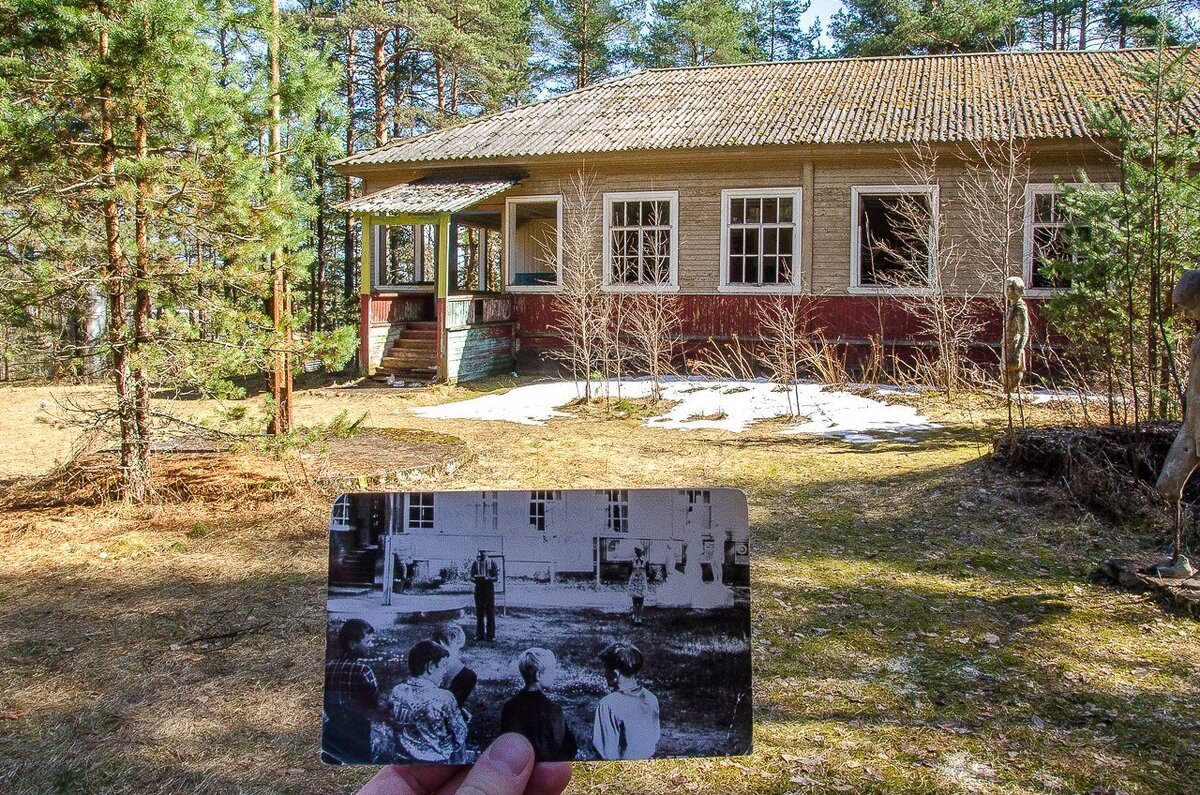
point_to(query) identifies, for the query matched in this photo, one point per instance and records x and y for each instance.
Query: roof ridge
(487, 117)
(912, 57)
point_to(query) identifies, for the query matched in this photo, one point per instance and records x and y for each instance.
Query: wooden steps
(413, 357)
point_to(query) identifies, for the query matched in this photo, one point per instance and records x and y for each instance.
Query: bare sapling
(652, 314)
(918, 258)
(582, 311)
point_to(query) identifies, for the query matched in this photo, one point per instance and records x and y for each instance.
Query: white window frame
(547, 500)
(510, 220)
(1031, 190)
(378, 232)
(617, 511)
(856, 192)
(420, 522)
(672, 284)
(797, 196)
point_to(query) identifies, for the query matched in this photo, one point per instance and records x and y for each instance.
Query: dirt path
(923, 623)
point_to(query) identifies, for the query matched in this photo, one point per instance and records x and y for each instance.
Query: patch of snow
(717, 404)
(1040, 395)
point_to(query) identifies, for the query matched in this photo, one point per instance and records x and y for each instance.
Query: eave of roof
(429, 196)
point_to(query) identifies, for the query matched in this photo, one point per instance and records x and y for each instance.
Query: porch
(432, 305)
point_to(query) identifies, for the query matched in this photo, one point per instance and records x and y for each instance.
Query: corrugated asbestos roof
(867, 100)
(429, 195)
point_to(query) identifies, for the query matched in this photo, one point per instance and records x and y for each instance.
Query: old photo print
(602, 624)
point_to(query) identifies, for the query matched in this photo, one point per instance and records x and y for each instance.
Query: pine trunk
(115, 277)
(348, 259)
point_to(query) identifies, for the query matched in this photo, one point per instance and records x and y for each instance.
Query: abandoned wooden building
(726, 185)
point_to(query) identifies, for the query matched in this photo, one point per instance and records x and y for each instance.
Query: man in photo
(484, 573)
(427, 723)
(627, 719)
(351, 697)
(532, 714)
(460, 680)
(638, 579)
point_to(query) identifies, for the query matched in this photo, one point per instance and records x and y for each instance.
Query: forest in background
(167, 207)
(357, 73)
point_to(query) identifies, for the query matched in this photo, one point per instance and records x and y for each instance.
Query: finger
(409, 779)
(549, 778)
(504, 768)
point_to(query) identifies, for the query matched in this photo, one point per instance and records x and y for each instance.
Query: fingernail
(510, 753)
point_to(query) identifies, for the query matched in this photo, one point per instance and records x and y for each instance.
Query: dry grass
(923, 623)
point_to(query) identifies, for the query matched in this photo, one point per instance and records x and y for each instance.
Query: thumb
(503, 770)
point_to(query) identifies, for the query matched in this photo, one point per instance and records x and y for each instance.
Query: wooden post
(389, 567)
(442, 291)
(365, 364)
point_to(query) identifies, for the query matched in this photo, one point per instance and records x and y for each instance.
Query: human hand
(506, 768)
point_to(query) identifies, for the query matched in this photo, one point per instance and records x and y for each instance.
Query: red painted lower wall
(852, 320)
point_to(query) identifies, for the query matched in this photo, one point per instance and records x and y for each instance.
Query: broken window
(534, 248)
(895, 231)
(1049, 236)
(405, 255)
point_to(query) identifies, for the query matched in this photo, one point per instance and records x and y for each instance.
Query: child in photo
(427, 723)
(351, 697)
(531, 712)
(627, 720)
(460, 680)
(638, 580)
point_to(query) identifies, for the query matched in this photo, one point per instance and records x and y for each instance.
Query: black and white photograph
(601, 624)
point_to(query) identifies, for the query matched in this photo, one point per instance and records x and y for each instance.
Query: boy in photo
(427, 723)
(351, 697)
(532, 714)
(627, 720)
(460, 680)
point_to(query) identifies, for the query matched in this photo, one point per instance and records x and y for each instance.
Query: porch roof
(429, 195)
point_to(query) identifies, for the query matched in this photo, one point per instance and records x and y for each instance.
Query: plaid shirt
(351, 686)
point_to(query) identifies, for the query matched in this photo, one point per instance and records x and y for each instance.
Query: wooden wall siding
(397, 308)
(478, 351)
(463, 311)
(826, 218)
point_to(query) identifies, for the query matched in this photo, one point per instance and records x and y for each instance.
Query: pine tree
(582, 41)
(1127, 244)
(698, 33)
(152, 143)
(779, 34)
(911, 27)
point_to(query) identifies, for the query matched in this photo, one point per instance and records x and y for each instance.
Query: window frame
(420, 505)
(1031, 191)
(545, 499)
(617, 511)
(672, 283)
(794, 193)
(378, 233)
(510, 220)
(856, 194)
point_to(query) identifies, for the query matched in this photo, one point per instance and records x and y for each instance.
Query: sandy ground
(923, 623)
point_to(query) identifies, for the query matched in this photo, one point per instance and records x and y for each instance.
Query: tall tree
(582, 41)
(698, 33)
(911, 27)
(779, 32)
